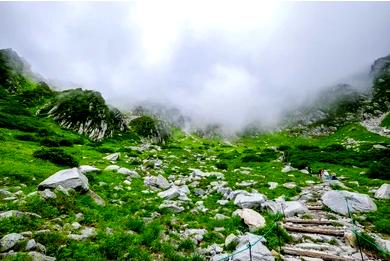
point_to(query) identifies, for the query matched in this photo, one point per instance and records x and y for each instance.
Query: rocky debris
(383, 192)
(373, 124)
(212, 250)
(288, 168)
(222, 202)
(289, 185)
(86, 168)
(249, 200)
(112, 168)
(67, 178)
(9, 241)
(252, 218)
(32, 245)
(113, 156)
(171, 193)
(195, 234)
(47, 194)
(98, 200)
(199, 192)
(158, 182)
(15, 213)
(259, 251)
(172, 205)
(272, 185)
(336, 201)
(85, 233)
(130, 173)
(5, 193)
(36, 256)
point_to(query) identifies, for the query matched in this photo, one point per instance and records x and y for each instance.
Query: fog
(221, 63)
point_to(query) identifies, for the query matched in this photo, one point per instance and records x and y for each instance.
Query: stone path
(319, 234)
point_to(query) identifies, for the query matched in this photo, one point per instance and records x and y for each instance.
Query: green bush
(134, 224)
(221, 165)
(186, 244)
(151, 233)
(56, 156)
(26, 137)
(115, 246)
(380, 170)
(18, 224)
(265, 156)
(56, 142)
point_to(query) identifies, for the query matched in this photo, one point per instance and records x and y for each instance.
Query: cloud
(226, 62)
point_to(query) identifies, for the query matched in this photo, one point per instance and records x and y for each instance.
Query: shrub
(56, 156)
(380, 170)
(186, 244)
(221, 165)
(18, 224)
(26, 137)
(148, 127)
(56, 142)
(151, 233)
(114, 246)
(134, 224)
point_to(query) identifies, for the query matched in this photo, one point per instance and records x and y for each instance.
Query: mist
(230, 64)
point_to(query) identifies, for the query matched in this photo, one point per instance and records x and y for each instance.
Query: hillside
(132, 191)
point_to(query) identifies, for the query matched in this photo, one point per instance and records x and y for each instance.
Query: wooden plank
(311, 221)
(315, 230)
(316, 254)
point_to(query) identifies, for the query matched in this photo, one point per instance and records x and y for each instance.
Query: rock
(171, 193)
(304, 171)
(249, 200)
(85, 233)
(231, 239)
(379, 147)
(289, 185)
(68, 178)
(9, 241)
(336, 201)
(98, 200)
(288, 168)
(213, 249)
(47, 193)
(5, 193)
(128, 172)
(112, 157)
(273, 185)
(16, 213)
(252, 218)
(383, 192)
(259, 251)
(36, 256)
(76, 225)
(157, 182)
(61, 189)
(86, 168)
(196, 234)
(32, 245)
(222, 202)
(199, 192)
(171, 205)
(220, 216)
(291, 208)
(112, 168)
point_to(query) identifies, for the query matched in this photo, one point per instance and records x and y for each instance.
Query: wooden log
(315, 230)
(316, 254)
(311, 221)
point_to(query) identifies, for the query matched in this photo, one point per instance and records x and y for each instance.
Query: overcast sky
(227, 63)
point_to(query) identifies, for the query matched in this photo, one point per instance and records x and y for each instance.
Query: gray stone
(230, 239)
(220, 216)
(68, 178)
(259, 251)
(249, 200)
(157, 182)
(85, 233)
(112, 157)
(273, 185)
(172, 206)
(47, 193)
(86, 168)
(337, 200)
(16, 213)
(383, 192)
(5, 193)
(9, 241)
(196, 234)
(131, 173)
(171, 193)
(291, 208)
(199, 192)
(289, 185)
(112, 168)
(36, 256)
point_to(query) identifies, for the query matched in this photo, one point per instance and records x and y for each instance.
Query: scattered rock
(249, 200)
(288, 168)
(156, 182)
(273, 185)
(383, 192)
(252, 218)
(113, 156)
(112, 168)
(9, 241)
(128, 172)
(47, 193)
(259, 251)
(171, 193)
(291, 208)
(68, 178)
(289, 185)
(336, 201)
(171, 205)
(86, 168)
(15, 213)
(230, 239)
(85, 233)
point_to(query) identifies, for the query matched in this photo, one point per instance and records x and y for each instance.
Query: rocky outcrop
(337, 201)
(67, 178)
(383, 192)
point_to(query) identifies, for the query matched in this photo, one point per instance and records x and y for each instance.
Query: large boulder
(67, 178)
(9, 241)
(252, 218)
(291, 208)
(249, 200)
(337, 200)
(383, 192)
(259, 251)
(157, 182)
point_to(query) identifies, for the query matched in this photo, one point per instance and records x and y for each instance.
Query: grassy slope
(18, 166)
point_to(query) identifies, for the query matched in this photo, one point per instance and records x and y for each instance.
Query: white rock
(383, 192)
(68, 178)
(157, 182)
(291, 208)
(273, 185)
(9, 241)
(112, 168)
(289, 185)
(126, 171)
(336, 201)
(259, 251)
(112, 157)
(47, 193)
(171, 193)
(86, 168)
(252, 218)
(288, 168)
(249, 200)
(230, 239)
